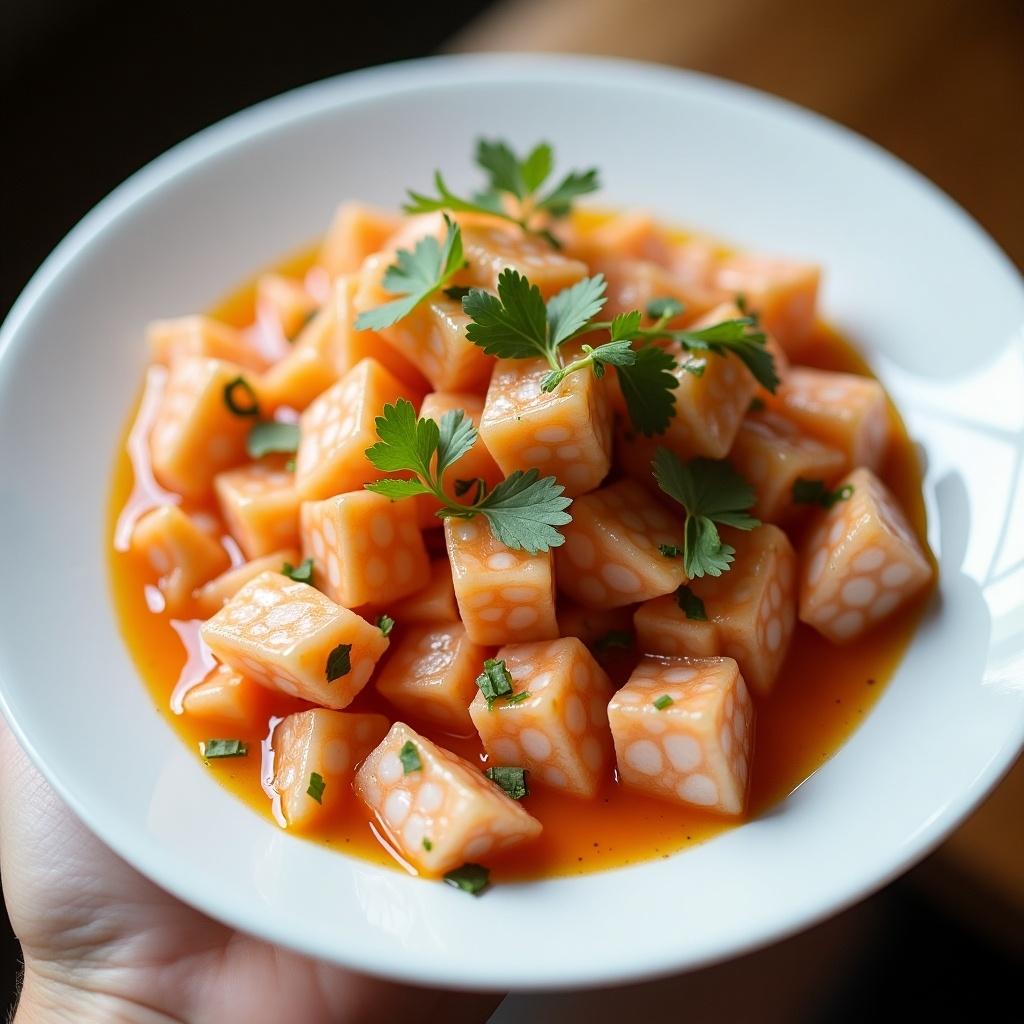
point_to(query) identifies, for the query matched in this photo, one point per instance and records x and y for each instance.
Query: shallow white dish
(936, 305)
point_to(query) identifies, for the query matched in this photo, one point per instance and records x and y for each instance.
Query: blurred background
(93, 89)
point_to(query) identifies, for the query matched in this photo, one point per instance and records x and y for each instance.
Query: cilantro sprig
(514, 189)
(416, 276)
(713, 494)
(522, 511)
(815, 492)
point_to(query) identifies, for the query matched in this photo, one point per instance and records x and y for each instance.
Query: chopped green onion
(222, 748)
(690, 604)
(316, 787)
(471, 878)
(511, 780)
(663, 702)
(385, 624)
(301, 573)
(410, 758)
(231, 399)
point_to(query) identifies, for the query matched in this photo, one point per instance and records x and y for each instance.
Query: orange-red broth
(820, 698)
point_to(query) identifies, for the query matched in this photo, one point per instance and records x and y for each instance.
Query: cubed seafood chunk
(212, 596)
(358, 230)
(633, 234)
(285, 301)
(634, 283)
(476, 464)
(783, 293)
(438, 810)
(492, 247)
(339, 426)
(610, 556)
(260, 506)
(565, 433)
(207, 411)
(771, 454)
(683, 731)
(228, 698)
(504, 596)
(291, 638)
(750, 610)
(171, 340)
(860, 562)
(329, 744)
(432, 337)
(559, 733)
(365, 548)
(184, 555)
(434, 602)
(431, 675)
(843, 410)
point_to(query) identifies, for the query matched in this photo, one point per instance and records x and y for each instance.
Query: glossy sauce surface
(822, 695)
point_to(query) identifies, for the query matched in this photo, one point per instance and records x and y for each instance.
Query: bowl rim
(350, 89)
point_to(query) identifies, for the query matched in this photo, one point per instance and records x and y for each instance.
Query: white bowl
(937, 306)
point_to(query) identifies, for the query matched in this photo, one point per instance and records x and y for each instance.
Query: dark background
(91, 91)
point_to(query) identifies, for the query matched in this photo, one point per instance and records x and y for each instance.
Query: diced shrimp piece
(772, 454)
(861, 561)
(559, 734)
(504, 596)
(230, 699)
(633, 283)
(438, 810)
(356, 231)
(171, 340)
(592, 625)
(566, 433)
(434, 602)
(432, 337)
(212, 596)
(610, 556)
(329, 743)
(184, 555)
(683, 730)
(476, 464)
(339, 426)
(365, 548)
(260, 505)
(709, 408)
(751, 610)
(196, 434)
(843, 410)
(291, 638)
(285, 300)
(490, 248)
(431, 674)
(635, 235)
(784, 294)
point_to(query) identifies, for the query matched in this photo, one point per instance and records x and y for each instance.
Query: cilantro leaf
(316, 787)
(711, 492)
(272, 436)
(406, 442)
(573, 307)
(339, 662)
(456, 436)
(625, 325)
(814, 492)
(301, 573)
(471, 878)
(511, 780)
(511, 325)
(558, 202)
(741, 338)
(524, 509)
(647, 387)
(396, 489)
(665, 308)
(416, 276)
(690, 604)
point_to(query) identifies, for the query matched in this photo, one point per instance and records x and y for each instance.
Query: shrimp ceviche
(502, 539)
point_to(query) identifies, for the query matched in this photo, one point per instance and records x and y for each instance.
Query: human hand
(101, 943)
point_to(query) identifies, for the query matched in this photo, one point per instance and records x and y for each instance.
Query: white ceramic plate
(936, 305)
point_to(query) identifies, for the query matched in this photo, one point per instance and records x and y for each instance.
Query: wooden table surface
(940, 83)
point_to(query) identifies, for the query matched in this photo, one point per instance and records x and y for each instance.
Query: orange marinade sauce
(822, 695)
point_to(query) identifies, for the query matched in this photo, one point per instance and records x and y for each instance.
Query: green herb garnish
(663, 702)
(427, 844)
(522, 511)
(711, 492)
(409, 755)
(240, 389)
(511, 780)
(415, 276)
(519, 179)
(614, 638)
(385, 624)
(301, 573)
(814, 492)
(690, 604)
(471, 878)
(271, 436)
(316, 787)
(339, 662)
(495, 681)
(518, 698)
(222, 748)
